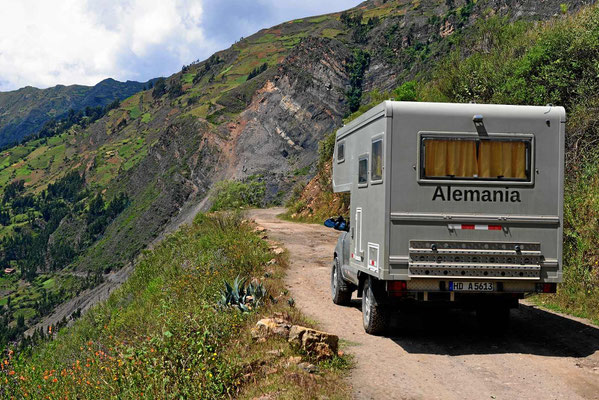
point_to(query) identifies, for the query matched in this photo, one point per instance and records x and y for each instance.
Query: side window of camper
(376, 168)
(363, 171)
(340, 152)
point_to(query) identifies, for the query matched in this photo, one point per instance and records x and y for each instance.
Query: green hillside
(145, 148)
(164, 335)
(23, 112)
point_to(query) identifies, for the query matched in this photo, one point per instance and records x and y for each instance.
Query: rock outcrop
(320, 345)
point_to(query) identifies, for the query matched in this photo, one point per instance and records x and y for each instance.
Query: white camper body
(451, 202)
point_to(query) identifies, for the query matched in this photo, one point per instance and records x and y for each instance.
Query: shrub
(326, 148)
(241, 297)
(228, 195)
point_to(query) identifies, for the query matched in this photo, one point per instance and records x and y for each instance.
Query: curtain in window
(502, 159)
(450, 158)
(475, 158)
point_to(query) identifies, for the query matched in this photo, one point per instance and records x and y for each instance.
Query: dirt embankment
(542, 355)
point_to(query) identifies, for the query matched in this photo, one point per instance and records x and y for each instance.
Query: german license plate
(471, 286)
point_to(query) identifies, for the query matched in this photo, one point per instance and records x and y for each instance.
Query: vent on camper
(496, 260)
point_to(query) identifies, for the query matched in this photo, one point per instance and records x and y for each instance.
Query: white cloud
(49, 42)
(43, 43)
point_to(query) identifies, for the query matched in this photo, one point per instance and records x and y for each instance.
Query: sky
(48, 42)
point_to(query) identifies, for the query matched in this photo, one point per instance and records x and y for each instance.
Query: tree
(257, 71)
(96, 208)
(4, 218)
(175, 90)
(20, 321)
(159, 88)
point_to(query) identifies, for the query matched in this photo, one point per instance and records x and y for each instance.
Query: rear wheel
(340, 290)
(374, 316)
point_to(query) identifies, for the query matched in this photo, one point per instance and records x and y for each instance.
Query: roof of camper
(389, 108)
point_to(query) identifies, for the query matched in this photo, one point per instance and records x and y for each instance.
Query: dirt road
(442, 356)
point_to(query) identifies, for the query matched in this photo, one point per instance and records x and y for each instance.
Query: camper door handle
(352, 232)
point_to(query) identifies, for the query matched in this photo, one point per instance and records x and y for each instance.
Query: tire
(341, 291)
(374, 317)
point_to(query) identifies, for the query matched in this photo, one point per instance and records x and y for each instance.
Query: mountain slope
(24, 111)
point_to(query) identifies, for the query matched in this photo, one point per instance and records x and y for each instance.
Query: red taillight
(546, 287)
(549, 288)
(397, 288)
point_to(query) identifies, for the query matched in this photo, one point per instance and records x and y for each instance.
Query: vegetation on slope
(34, 241)
(163, 334)
(26, 110)
(146, 147)
(316, 201)
(231, 195)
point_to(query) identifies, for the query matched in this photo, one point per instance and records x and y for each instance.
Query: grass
(231, 195)
(320, 19)
(331, 33)
(161, 336)
(146, 117)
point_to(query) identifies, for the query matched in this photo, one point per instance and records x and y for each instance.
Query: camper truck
(458, 204)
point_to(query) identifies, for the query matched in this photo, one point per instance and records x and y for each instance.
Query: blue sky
(44, 43)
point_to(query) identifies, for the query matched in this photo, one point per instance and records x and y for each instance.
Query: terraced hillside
(23, 112)
(254, 112)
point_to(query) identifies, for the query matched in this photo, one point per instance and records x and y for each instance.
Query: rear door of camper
(476, 202)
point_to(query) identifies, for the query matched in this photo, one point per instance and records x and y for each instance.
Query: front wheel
(340, 290)
(374, 317)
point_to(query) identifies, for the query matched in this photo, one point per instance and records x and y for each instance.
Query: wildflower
(11, 373)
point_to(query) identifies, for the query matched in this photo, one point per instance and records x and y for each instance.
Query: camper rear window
(493, 159)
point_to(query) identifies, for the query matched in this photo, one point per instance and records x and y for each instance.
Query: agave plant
(239, 296)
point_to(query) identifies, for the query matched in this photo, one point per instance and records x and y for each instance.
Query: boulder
(267, 327)
(322, 345)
